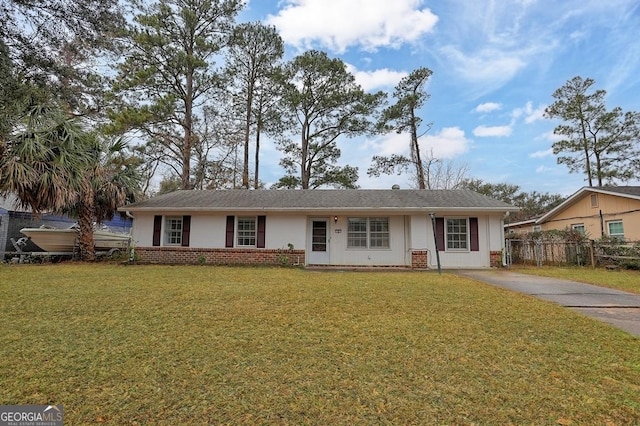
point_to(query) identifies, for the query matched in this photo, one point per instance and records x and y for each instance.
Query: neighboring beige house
(597, 211)
(521, 227)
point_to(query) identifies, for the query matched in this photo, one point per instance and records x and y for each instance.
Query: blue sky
(495, 66)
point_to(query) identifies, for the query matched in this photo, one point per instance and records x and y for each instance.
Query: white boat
(64, 240)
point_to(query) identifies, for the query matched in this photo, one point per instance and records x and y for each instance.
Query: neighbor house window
(457, 234)
(247, 231)
(537, 228)
(615, 229)
(363, 232)
(173, 230)
(594, 200)
(578, 227)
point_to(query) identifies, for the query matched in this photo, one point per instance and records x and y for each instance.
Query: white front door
(318, 246)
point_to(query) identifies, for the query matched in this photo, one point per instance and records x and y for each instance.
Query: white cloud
(491, 68)
(447, 143)
(492, 131)
(578, 36)
(376, 79)
(535, 115)
(392, 143)
(530, 114)
(542, 154)
(550, 136)
(339, 24)
(488, 107)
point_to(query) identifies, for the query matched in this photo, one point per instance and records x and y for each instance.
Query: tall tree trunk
(85, 222)
(305, 166)
(185, 181)
(586, 148)
(598, 168)
(256, 182)
(188, 132)
(415, 151)
(247, 134)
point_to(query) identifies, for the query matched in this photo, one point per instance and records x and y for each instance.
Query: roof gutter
(329, 210)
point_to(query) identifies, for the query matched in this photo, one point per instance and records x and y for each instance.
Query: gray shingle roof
(624, 190)
(310, 200)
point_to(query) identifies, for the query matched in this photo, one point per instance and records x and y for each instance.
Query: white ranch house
(345, 228)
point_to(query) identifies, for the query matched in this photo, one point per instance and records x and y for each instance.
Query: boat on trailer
(65, 240)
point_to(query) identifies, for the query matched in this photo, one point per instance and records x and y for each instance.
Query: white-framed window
(173, 230)
(368, 232)
(379, 232)
(457, 234)
(247, 232)
(578, 227)
(357, 232)
(537, 228)
(615, 228)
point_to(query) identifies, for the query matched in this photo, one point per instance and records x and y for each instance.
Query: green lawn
(194, 345)
(626, 280)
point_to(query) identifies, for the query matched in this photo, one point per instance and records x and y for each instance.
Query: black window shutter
(231, 220)
(186, 230)
(157, 226)
(260, 237)
(440, 233)
(473, 230)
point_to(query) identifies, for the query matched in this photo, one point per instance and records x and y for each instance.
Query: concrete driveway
(614, 307)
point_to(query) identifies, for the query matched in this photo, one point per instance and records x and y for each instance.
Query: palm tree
(42, 158)
(110, 180)
(52, 164)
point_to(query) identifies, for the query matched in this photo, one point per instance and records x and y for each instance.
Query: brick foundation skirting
(234, 256)
(495, 259)
(217, 256)
(419, 259)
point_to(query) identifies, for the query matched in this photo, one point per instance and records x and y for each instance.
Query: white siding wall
(209, 231)
(496, 233)
(421, 232)
(142, 230)
(466, 259)
(283, 230)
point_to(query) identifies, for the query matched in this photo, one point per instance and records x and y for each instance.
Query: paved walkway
(615, 307)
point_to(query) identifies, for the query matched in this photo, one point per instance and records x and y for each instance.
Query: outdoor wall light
(335, 219)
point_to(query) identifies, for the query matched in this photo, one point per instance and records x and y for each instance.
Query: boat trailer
(21, 256)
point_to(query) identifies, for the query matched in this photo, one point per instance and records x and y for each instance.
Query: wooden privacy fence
(539, 252)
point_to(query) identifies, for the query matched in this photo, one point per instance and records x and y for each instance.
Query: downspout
(132, 248)
(503, 240)
(435, 240)
(601, 225)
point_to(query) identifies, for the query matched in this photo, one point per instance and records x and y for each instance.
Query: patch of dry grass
(625, 280)
(196, 345)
